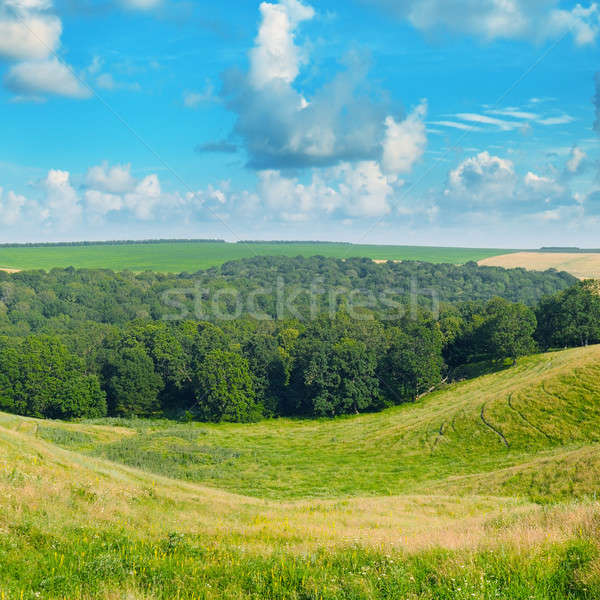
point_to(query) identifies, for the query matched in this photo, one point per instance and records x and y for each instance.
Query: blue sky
(471, 122)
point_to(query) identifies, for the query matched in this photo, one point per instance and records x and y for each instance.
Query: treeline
(244, 370)
(61, 300)
(105, 243)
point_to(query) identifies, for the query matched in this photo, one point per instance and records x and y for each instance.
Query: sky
(434, 122)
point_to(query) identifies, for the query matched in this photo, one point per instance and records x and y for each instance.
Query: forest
(92, 343)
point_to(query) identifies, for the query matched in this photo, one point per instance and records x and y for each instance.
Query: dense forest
(91, 343)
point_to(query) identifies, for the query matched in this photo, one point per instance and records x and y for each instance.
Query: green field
(192, 256)
(486, 489)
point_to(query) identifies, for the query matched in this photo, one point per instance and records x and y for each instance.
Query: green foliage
(225, 388)
(41, 378)
(132, 385)
(571, 317)
(508, 330)
(413, 362)
(180, 255)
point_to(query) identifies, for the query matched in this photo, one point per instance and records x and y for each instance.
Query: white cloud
(141, 4)
(486, 186)
(280, 127)
(515, 113)
(145, 198)
(482, 179)
(102, 203)
(485, 120)
(535, 20)
(576, 160)
(29, 36)
(583, 23)
(62, 207)
(112, 180)
(404, 142)
(455, 125)
(365, 189)
(544, 186)
(352, 190)
(11, 205)
(45, 77)
(561, 120)
(113, 188)
(276, 56)
(193, 99)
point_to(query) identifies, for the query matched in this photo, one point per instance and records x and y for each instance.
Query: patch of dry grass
(580, 265)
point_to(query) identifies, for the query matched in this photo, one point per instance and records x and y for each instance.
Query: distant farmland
(580, 264)
(175, 257)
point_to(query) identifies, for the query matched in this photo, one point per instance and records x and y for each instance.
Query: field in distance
(176, 257)
(487, 489)
(581, 265)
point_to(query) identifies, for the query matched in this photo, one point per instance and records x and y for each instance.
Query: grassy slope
(194, 256)
(459, 522)
(537, 417)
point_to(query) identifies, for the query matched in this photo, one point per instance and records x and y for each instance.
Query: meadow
(191, 256)
(583, 265)
(484, 489)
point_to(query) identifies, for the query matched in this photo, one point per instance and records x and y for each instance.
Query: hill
(482, 490)
(542, 410)
(580, 264)
(179, 256)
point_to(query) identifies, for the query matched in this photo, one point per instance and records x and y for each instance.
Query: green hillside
(545, 408)
(483, 490)
(191, 256)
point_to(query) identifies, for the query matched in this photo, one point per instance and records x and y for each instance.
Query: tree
(39, 377)
(508, 329)
(335, 377)
(413, 362)
(225, 390)
(131, 383)
(571, 317)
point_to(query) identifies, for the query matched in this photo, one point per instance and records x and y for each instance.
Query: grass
(190, 257)
(421, 501)
(546, 409)
(580, 265)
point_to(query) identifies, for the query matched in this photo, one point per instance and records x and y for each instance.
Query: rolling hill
(176, 257)
(485, 489)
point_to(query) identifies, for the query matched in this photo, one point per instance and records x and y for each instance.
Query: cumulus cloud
(404, 142)
(487, 185)
(499, 19)
(276, 56)
(46, 77)
(113, 180)
(577, 161)
(280, 127)
(29, 36)
(347, 190)
(62, 208)
(11, 206)
(545, 187)
(113, 188)
(482, 179)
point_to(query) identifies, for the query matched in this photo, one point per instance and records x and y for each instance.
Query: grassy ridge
(192, 256)
(483, 490)
(73, 526)
(545, 408)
